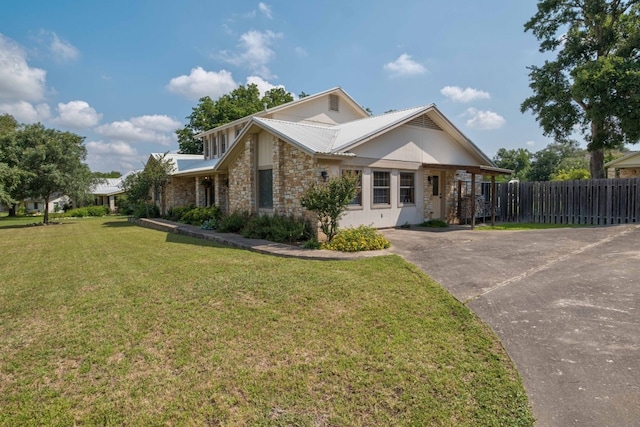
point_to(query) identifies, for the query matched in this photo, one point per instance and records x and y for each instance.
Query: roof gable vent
(424, 121)
(334, 102)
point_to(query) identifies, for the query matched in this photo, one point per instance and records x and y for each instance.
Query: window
(215, 146)
(407, 188)
(223, 143)
(435, 185)
(357, 200)
(381, 188)
(334, 103)
(265, 188)
(205, 146)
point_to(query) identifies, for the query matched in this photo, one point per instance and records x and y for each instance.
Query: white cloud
(265, 9)
(262, 84)
(18, 81)
(484, 120)
(530, 143)
(77, 115)
(156, 128)
(25, 112)
(62, 50)
(301, 52)
(256, 52)
(117, 155)
(457, 94)
(404, 66)
(200, 83)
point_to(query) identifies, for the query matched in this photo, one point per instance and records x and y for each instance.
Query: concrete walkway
(565, 304)
(255, 245)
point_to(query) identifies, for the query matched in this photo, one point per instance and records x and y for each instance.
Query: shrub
(234, 222)
(435, 223)
(209, 224)
(175, 214)
(278, 228)
(197, 216)
(145, 210)
(362, 238)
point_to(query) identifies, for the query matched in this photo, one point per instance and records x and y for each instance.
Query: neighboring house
(56, 204)
(409, 161)
(106, 192)
(627, 166)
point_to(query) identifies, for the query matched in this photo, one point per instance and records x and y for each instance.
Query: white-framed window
(381, 188)
(357, 200)
(205, 147)
(407, 188)
(223, 143)
(215, 146)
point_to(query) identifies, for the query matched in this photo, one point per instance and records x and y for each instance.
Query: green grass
(527, 226)
(106, 323)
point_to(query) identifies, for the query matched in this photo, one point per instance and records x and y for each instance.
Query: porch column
(493, 200)
(473, 200)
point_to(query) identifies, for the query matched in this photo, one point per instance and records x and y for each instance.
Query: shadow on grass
(118, 224)
(5, 224)
(190, 240)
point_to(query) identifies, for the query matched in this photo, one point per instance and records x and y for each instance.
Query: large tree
(517, 159)
(11, 176)
(593, 84)
(52, 162)
(208, 114)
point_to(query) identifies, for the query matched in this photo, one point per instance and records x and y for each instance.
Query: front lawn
(107, 323)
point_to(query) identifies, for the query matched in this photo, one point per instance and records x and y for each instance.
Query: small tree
(329, 201)
(140, 186)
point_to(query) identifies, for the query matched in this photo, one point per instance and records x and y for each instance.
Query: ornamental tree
(329, 201)
(593, 83)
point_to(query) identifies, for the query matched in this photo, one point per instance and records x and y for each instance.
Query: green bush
(234, 222)
(145, 210)
(82, 212)
(362, 238)
(278, 228)
(175, 214)
(435, 223)
(197, 216)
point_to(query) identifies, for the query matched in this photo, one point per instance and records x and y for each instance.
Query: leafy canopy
(241, 102)
(593, 84)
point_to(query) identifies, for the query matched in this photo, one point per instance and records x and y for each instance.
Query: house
(106, 192)
(627, 166)
(409, 161)
(57, 203)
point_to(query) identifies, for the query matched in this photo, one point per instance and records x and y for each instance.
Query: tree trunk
(45, 220)
(596, 164)
(12, 210)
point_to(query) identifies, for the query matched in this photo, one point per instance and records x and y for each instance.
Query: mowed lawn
(107, 323)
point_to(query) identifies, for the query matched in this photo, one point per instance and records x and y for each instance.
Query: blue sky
(125, 74)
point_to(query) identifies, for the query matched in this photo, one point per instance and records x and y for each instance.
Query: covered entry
(445, 195)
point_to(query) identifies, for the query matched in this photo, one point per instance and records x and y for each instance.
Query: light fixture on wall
(324, 175)
(429, 179)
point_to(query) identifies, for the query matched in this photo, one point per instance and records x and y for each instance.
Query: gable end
(424, 121)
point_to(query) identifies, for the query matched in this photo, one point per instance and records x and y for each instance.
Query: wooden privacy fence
(595, 202)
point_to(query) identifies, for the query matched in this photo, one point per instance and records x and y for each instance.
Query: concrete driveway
(565, 303)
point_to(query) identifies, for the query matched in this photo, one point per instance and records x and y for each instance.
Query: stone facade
(178, 192)
(293, 172)
(242, 178)
(623, 172)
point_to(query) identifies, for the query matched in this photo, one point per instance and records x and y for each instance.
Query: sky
(126, 74)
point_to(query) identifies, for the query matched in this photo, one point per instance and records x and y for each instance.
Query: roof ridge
(296, 123)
